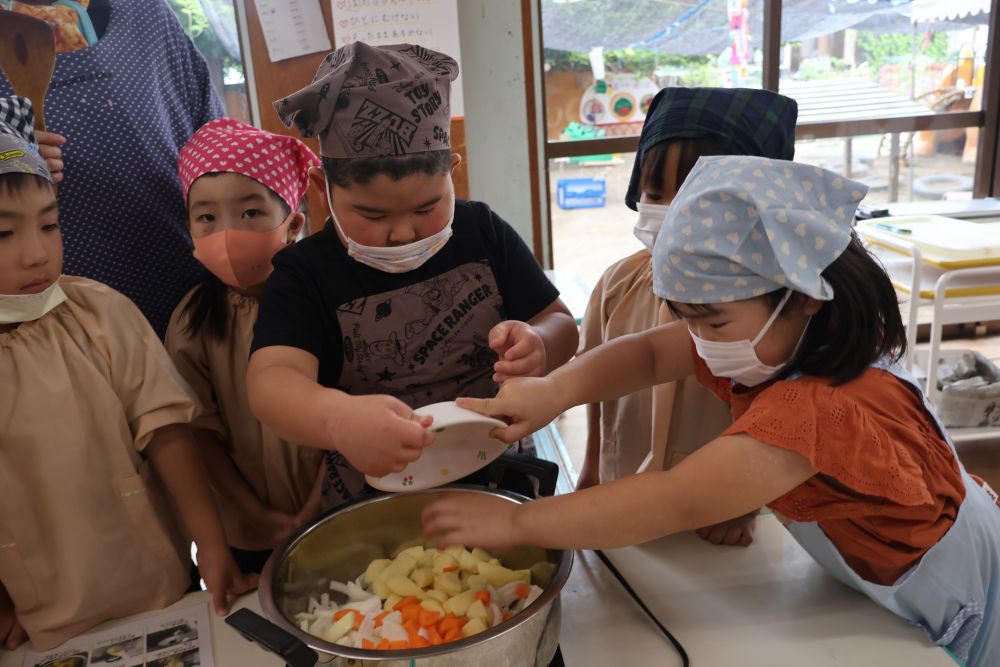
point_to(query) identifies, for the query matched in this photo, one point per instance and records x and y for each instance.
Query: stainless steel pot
(338, 547)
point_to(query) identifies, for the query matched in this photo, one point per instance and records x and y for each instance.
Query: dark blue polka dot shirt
(126, 106)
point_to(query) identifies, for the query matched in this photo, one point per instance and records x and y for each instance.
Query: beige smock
(281, 474)
(670, 420)
(86, 532)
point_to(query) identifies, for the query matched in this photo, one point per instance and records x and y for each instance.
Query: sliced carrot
(507, 615)
(449, 622)
(408, 600)
(380, 617)
(419, 642)
(410, 612)
(367, 643)
(453, 568)
(522, 590)
(412, 626)
(433, 636)
(402, 643)
(483, 596)
(383, 645)
(428, 617)
(452, 635)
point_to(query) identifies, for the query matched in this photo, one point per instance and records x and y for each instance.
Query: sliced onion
(496, 616)
(394, 632)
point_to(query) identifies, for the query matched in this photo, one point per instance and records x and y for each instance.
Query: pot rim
(265, 591)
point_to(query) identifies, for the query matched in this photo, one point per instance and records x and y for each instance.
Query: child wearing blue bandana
(97, 462)
(785, 316)
(658, 426)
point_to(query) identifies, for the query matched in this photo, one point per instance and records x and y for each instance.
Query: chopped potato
(445, 562)
(477, 610)
(458, 604)
(433, 605)
(438, 595)
(375, 568)
(448, 583)
(473, 627)
(402, 565)
(422, 577)
(405, 587)
(340, 628)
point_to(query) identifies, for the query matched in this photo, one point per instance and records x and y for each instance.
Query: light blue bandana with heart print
(741, 227)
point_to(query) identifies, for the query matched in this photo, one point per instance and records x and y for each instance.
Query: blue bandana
(743, 226)
(18, 148)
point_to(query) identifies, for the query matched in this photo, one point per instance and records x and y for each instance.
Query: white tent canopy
(935, 10)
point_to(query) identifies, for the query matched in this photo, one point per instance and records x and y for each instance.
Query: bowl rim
(266, 586)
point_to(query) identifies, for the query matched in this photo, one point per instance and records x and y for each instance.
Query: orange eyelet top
(888, 485)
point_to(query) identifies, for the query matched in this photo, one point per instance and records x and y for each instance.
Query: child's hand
(223, 577)
(473, 520)
(12, 634)
(735, 532)
(49, 147)
(527, 404)
(520, 348)
(379, 434)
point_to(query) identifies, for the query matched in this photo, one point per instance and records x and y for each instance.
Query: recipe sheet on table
(175, 638)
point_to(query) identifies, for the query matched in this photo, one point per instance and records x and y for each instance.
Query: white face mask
(651, 217)
(18, 308)
(397, 259)
(737, 360)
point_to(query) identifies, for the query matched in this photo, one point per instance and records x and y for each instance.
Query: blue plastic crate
(580, 192)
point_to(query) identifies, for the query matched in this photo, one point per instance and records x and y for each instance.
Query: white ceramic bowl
(462, 445)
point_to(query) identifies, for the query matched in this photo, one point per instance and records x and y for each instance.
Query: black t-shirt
(421, 336)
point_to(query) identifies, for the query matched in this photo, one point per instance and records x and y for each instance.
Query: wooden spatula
(27, 58)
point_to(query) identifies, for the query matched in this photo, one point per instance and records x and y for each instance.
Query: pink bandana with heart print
(277, 161)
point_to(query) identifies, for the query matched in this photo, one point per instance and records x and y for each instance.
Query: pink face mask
(240, 258)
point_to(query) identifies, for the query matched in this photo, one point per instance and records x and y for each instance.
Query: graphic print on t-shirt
(424, 343)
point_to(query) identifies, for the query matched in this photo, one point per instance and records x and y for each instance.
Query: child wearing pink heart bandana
(243, 187)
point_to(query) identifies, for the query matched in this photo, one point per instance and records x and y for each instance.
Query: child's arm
(590, 474)
(230, 483)
(175, 459)
(616, 368)
(378, 434)
(726, 478)
(12, 634)
(533, 348)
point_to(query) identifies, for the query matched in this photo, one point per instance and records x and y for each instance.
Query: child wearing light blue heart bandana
(658, 427)
(786, 317)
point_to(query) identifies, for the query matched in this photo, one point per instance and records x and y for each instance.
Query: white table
(768, 605)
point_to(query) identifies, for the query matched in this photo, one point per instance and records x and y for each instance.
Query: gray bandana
(368, 101)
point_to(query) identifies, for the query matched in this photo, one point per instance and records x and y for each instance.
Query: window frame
(987, 171)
